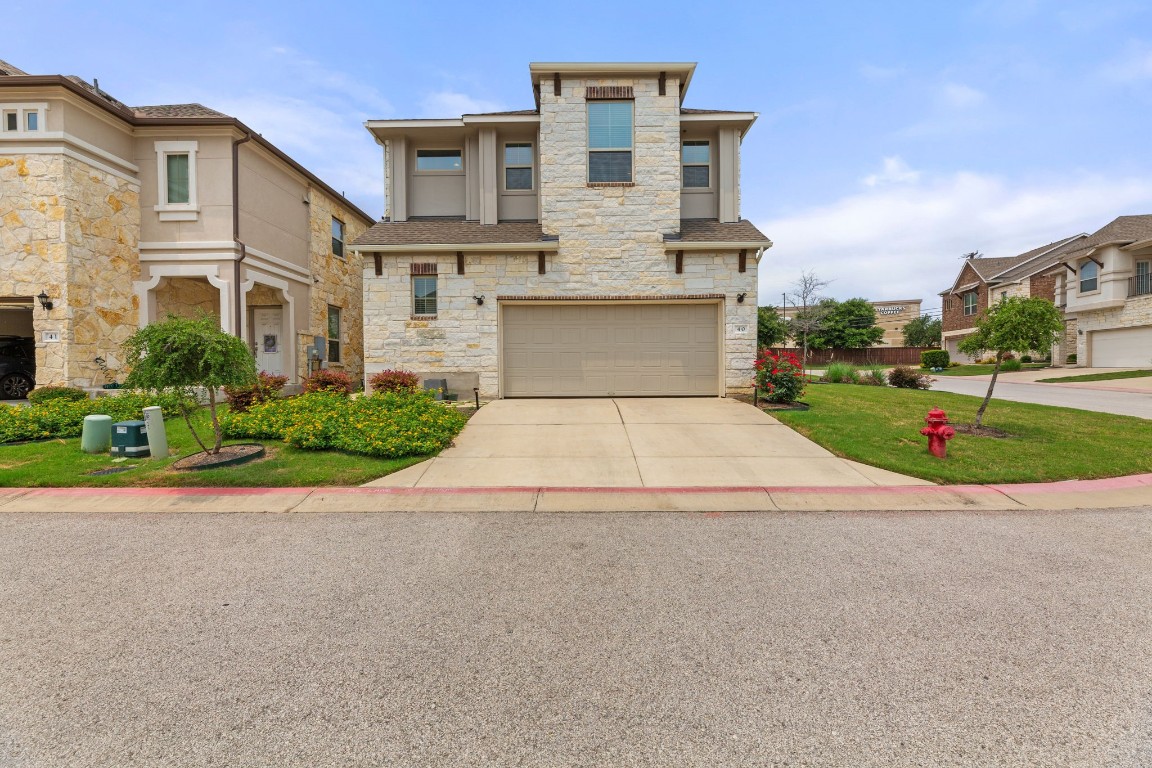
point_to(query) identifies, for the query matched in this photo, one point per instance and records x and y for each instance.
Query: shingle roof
(1124, 229)
(95, 89)
(1040, 258)
(449, 232)
(710, 230)
(10, 69)
(177, 110)
(987, 268)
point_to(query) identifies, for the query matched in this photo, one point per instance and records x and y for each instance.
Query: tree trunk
(215, 421)
(188, 420)
(991, 385)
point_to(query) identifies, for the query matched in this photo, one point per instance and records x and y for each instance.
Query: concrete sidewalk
(1086, 396)
(634, 442)
(1118, 492)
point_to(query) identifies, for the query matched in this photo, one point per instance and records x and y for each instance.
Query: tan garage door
(1121, 348)
(610, 350)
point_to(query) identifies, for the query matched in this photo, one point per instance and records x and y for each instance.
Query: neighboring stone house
(983, 281)
(1105, 287)
(120, 215)
(592, 246)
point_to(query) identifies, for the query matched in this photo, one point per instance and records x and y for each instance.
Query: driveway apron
(632, 443)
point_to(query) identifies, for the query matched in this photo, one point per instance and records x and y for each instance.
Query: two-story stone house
(983, 281)
(119, 215)
(591, 246)
(1105, 287)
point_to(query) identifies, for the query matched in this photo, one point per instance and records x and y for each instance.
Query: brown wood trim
(1098, 262)
(609, 92)
(629, 297)
(540, 265)
(679, 262)
(556, 84)
(1070, 268)
(459, 262)
(743, 260)
(663, 83)
(423, 269)
(379, 264)
(611, 184)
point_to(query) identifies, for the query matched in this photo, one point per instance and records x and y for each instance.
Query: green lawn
(980, 370)
(881, 426)
(61, 463)
(1102, 376)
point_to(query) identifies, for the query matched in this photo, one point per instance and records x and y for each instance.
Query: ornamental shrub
(1070, 359)
(779, 376)
(1025, 358)
(394, 381)
(935, 358)
(387, 424)
(325, 380)
(267, 386)
(44, 394)
(904, 377)
(62, 417)
(875, 376)
(842, 373)
(1011, 366)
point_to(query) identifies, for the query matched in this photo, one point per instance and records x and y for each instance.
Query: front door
(267, 324)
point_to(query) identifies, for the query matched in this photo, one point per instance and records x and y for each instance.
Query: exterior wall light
(44, 300)
(479, 300)
(740, 298)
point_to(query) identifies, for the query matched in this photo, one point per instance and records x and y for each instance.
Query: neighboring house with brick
(591, 246)
(1105, 287)
(119, 215)
(982, 281)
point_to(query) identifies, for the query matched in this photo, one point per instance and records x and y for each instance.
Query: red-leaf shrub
(325, 380)
(779, 376)
(394, 381)
(905, 378)
(267, 386)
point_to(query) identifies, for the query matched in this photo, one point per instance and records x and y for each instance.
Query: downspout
(238, 314)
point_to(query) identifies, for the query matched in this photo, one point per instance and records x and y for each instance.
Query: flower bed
(389, 425)
(62, 417)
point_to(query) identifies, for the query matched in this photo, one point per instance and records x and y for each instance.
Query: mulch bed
(968, 429)
(229, 455)
(764, 405)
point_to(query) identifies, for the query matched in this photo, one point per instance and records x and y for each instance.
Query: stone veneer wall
(1137, 311)
(611, 243)
(186, 297)
(71, 230)
(341, 285)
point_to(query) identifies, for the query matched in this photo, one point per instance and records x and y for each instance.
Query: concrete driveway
(634, 442)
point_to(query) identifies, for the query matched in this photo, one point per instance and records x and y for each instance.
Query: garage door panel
(611, 350)
(1121, 348)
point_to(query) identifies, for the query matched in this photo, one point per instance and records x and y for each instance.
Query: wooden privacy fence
(869, 356)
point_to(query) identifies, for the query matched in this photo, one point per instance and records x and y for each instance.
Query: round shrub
(1026, 358)
(44, 394)
(1071, 358)
(904, 377)
(935, 358)
(394, 381)
(325, 380)
(779, 376)
(267, 386)
(1011, 366)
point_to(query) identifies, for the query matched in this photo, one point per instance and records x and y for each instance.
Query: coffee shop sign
(889, 310)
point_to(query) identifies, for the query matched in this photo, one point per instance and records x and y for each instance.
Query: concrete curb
(1135, 490)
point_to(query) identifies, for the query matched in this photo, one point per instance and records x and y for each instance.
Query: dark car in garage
(17, 367)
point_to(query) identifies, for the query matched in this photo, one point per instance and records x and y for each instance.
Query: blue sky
(892, 138)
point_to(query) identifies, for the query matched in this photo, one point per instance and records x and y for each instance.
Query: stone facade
(341, 285)
(187, 297)
(70, 230)
(1135, 313)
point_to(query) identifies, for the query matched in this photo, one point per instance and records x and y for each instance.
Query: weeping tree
(1013, 324)
(187, 353)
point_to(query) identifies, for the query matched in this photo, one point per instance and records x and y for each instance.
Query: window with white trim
(424, 295)
(518, 166)
(696, 157)
(22, 119)
(439, 161)
(176, 180)
(337, 237)
(970, 301)
(609, 142)
(1089, 274)
(333, 334)
(1142, 282)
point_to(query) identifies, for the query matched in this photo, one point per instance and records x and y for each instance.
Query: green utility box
(130, 438)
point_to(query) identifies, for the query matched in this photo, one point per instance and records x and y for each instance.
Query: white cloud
(896, 171)
(960, 96)
(905, 241)
(453, 104)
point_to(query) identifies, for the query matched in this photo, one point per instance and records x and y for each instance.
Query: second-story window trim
(1089, 275)
(971, 303)
(610, 142)
(23, 120)
(519, 166)
(176, 180)
(337, 237)
(439, 160)
(696, 162)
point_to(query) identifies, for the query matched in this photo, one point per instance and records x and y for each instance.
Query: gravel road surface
(781, 639)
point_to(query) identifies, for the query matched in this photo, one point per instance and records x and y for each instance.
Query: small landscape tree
(924, 331)
(183, 353)
(847, 324)
(1014, 324)
(809, 314)
(770, 327)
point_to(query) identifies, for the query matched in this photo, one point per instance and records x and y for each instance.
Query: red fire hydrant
(937, 432)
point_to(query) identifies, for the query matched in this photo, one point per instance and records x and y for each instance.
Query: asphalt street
(961, 638)
(1102, 400)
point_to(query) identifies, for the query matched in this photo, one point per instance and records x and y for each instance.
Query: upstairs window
(22, 119)
(333, 334)
(517, 167)
(439, 161)
(1142, 282)
(177, 171)
(1089, 272)
(337, 237)
(696, 159)
(609, 142)
(970, 300)
(176, 180)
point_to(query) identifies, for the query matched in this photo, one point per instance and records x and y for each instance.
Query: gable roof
(453, 234)
(10, 69)
(1010, 268)
(1122, 230)
(177, 110)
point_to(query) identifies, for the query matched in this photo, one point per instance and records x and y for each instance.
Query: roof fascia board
(682, 69)
(393, 125)
(543, 245)
(716, 245)
(499, 119)
(1138, 245)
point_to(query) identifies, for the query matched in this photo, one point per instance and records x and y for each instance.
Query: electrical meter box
(130, 438)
